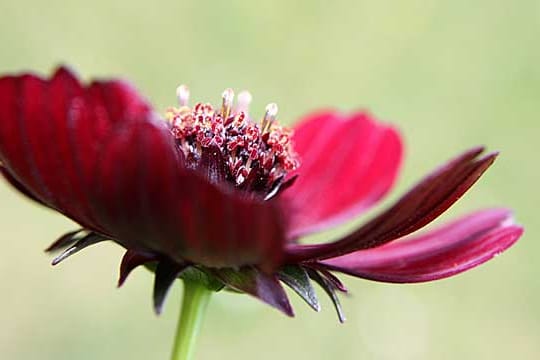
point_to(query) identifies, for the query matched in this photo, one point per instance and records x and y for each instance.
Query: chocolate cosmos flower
(207, 193)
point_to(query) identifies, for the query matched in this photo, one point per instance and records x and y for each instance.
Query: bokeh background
(450, 74)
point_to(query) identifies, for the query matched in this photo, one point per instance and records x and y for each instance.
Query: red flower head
(210, 193)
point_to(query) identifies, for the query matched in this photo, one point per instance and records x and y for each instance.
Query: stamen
(269, 117)
(226, 105)
(182, 94)
(244, 99)
(256, 157)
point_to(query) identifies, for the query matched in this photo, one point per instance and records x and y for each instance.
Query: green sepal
(202, 276)
(297, 279)
(330, 289)
(254, 282)
(195, 274)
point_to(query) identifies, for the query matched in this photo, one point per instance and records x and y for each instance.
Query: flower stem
(194, 303)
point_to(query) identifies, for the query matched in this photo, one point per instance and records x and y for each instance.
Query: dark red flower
(209, 193)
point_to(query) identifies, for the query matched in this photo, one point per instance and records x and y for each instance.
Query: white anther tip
(182, 94)
(271, 109)
(228, 96)
(244, 97)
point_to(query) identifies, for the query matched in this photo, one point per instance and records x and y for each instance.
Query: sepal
(258, 284)
(82, 243)
(330, 288)
(297, 279)
(166, 273)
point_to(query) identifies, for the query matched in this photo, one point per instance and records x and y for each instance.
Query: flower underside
(230, 146)
(247, 279)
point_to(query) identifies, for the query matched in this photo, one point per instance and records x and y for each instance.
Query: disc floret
(256, 156)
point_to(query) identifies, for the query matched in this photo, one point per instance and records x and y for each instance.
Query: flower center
(252, 156)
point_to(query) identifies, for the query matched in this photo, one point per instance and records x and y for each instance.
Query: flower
(208, 193)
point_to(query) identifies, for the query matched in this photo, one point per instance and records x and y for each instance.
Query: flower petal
(446, 251)
(18, 186)
(50, 131)
(347, 164)
(421, 205)
(148, 201)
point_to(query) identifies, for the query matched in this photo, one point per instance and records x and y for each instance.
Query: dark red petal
(148, 201)
(17, 185)
(130, 261)
(212, 165)
(263, 286)
(51, 130)
(444, 252)
(421, 205)
(348, 162)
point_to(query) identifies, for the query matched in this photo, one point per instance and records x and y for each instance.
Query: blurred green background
(450, 74)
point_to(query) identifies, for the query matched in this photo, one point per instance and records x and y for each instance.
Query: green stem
(196, 297)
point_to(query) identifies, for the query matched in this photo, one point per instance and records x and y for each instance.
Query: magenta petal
(421, 205)
(348, 162)
(51, 130)
(148, 201)
(440, 253)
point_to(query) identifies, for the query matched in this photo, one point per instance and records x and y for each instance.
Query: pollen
(256, 156)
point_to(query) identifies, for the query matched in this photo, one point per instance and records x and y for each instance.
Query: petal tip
(121, 280)
(65, 70)
(289, 312)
